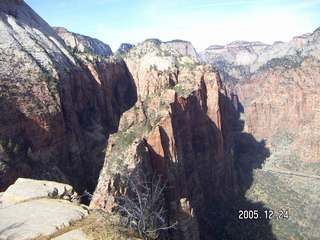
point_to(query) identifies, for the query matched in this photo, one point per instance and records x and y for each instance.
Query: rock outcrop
(184, 48)
(59, 107)
(188, 141)
(239, 60)
(80, 43)
(28, 189)
(29, 211)
(124, 48)
(155, 65)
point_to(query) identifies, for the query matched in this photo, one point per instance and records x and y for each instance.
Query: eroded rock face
(240, 59)
(80, 43)
(191, 147)
(291, 107)
(57, 109)
(155, 65)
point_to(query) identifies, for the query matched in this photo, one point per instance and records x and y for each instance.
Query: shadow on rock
(65, 145)
(209, 167)
(4, 235)
(235, 217)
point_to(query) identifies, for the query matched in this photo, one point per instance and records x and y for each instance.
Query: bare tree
(142, 208)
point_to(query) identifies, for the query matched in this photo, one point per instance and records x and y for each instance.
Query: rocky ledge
(34, 208)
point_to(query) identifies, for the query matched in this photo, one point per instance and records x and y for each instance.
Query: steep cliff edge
(185, 137)
(59, 108)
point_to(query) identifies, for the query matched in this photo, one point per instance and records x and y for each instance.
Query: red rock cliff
(191, 148)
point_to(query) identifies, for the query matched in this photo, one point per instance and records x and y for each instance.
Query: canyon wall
(57, 108)
(279, 89)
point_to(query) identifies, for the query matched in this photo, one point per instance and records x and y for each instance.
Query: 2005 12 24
(266, 214)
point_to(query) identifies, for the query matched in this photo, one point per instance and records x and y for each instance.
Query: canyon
(278, 88)
(237, 128)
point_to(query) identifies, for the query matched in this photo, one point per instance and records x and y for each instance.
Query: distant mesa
(215, 47)
(254, 55)
(153, 40)
(278, 42)
(182, 47)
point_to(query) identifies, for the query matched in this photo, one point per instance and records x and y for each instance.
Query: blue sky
(203, 22)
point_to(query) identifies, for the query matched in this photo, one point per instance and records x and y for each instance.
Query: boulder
(26, 189)
(41, 217)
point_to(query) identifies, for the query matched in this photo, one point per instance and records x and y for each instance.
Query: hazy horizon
(203, 22)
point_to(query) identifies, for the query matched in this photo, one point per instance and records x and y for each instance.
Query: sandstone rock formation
(239, 60)
(38, 218)
(184, 48)
(155, 65)
(59, 107)
(27, 189)
(124, 48)
(28, 212)
(80, 43)
(188, 141)
(197, 136)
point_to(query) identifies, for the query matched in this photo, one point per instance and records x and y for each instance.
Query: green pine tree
(16, 149)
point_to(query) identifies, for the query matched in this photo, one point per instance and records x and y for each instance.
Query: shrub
(142, 209)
